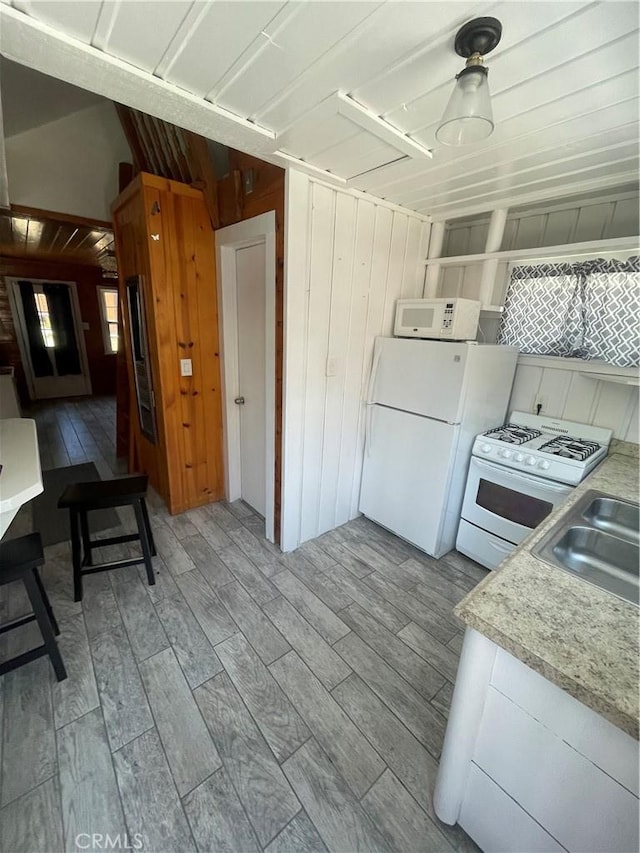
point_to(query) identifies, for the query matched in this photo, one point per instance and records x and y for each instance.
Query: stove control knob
(531, 460)
(518, 457)
(486, 448)
(543, 464)
(506, 454)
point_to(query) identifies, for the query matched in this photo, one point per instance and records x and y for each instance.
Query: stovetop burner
(513, 433)
(570, 448)
(546, 447)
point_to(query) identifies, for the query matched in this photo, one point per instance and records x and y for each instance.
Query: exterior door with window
(47, 319)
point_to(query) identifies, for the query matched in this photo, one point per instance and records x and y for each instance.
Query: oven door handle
(525, 478)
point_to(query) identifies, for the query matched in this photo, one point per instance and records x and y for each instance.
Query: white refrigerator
(427, 401)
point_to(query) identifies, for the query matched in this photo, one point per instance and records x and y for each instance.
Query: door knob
(239, 401)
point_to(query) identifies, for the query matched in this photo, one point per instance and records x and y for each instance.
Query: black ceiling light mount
(468, 117)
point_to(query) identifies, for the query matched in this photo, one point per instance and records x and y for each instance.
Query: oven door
(508, 503)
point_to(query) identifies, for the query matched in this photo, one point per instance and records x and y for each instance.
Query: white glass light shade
(468, 117)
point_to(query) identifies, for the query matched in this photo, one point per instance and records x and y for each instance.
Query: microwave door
(427, 318)
(420, 320)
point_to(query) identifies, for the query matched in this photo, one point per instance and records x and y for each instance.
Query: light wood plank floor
(250, 700)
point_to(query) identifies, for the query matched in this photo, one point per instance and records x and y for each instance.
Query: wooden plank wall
(576, 397)
(178, 269)
(133, 259)
(348, 260)
(191, 279)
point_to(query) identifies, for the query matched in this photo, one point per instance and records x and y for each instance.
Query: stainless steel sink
(614, 516)
(598, 541)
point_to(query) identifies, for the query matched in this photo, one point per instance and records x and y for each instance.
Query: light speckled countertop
(578, 636)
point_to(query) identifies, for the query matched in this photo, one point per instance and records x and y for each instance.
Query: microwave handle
(374, 375)
(552, 487)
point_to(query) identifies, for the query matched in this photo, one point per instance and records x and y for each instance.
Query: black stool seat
(101, 494)
(20, 554)
(19, 561)
(80, 499)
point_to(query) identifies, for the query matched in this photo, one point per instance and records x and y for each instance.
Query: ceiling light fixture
(468, 117)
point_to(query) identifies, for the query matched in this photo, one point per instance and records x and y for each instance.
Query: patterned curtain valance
(590, 266)
(589, 310)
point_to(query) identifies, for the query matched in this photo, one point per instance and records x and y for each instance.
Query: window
(108, 297)
(584, 310)
(42, 307)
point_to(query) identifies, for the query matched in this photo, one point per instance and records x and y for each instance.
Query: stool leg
(47, 603)
(44, 624)
(144, 541)
(84, 529)
(145, 515)
(75, 555)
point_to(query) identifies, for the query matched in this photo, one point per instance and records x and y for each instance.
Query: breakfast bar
(541, 748)
(20, 474)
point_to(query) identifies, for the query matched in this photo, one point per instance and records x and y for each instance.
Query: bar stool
(80, 499)
(19, 561)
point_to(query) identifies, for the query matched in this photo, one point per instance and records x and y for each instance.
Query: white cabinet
(525, 766)
(487, 809)
(609, 748)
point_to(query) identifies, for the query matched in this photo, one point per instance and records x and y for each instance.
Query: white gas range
(518, 473)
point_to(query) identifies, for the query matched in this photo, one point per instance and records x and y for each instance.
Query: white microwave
(442, 319)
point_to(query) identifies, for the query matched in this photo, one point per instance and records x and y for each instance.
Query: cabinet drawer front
(497, 823)
(597, 739)
(582, 807)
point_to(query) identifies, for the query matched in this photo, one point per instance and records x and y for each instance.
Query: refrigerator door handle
(374, 375)
(368, 436)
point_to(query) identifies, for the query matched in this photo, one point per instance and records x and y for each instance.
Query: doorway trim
(20, 328)
(250, 232)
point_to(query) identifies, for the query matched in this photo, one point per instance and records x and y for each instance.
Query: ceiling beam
(25, 40)
(369, 121)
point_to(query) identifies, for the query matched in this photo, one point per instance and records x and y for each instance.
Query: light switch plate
(186, 368)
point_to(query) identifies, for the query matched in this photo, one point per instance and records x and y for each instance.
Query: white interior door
(250, 291)
(50, 336)
(246, 268)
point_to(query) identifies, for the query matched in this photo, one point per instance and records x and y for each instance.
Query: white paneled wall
(614, 215)
(569, 393)
(348, 259)
(576, 396)
(554, 224)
